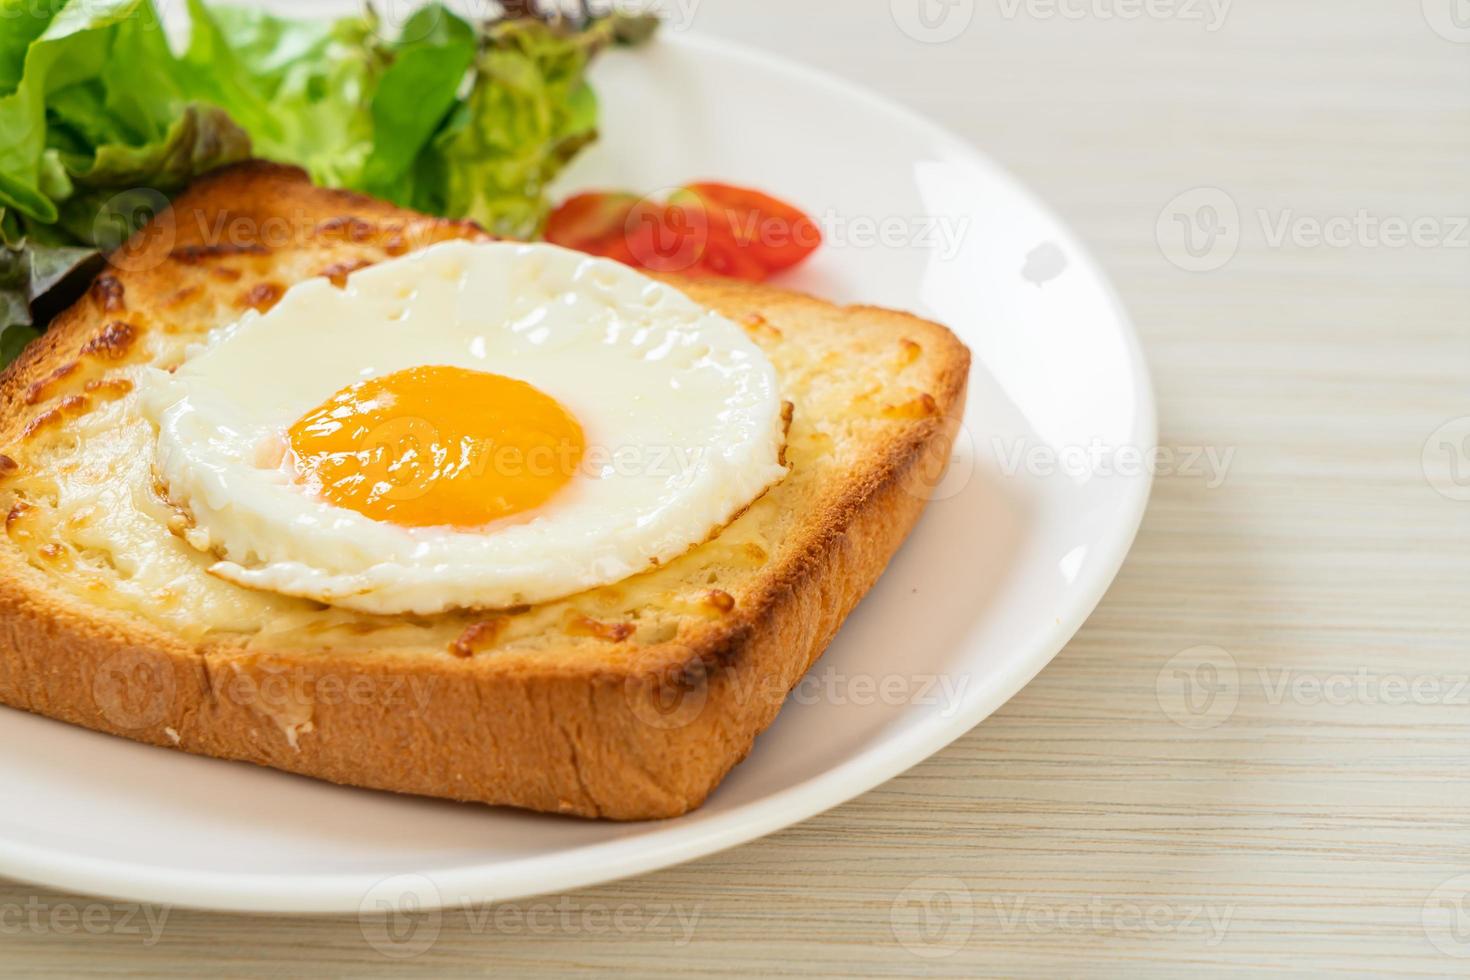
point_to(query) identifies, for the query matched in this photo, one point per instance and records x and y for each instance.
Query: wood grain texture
(1081, 831)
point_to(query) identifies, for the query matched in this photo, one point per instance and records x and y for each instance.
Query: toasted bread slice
(628, 702)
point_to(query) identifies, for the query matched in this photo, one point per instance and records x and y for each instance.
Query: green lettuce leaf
(28, 273)
(295, 86)
(530, 112)
(104, 209)
(416, 93)
(142, 82)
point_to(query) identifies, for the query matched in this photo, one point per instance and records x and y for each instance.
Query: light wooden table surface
(1316, 815)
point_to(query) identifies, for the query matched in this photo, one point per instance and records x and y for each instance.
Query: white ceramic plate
(1009, 560)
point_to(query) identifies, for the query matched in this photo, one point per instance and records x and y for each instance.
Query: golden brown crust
(648, 733)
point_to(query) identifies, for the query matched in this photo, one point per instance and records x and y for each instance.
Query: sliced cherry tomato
(589, 222)
(667, 237)
(724, 255)
(705, 229)
(774, 234)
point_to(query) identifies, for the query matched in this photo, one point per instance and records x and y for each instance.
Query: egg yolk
(435, 446)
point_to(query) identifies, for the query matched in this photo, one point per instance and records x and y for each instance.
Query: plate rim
(600, 863)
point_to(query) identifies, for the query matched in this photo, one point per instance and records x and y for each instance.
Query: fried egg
(477, 425)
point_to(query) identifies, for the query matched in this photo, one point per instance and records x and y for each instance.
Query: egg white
(681, 414)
